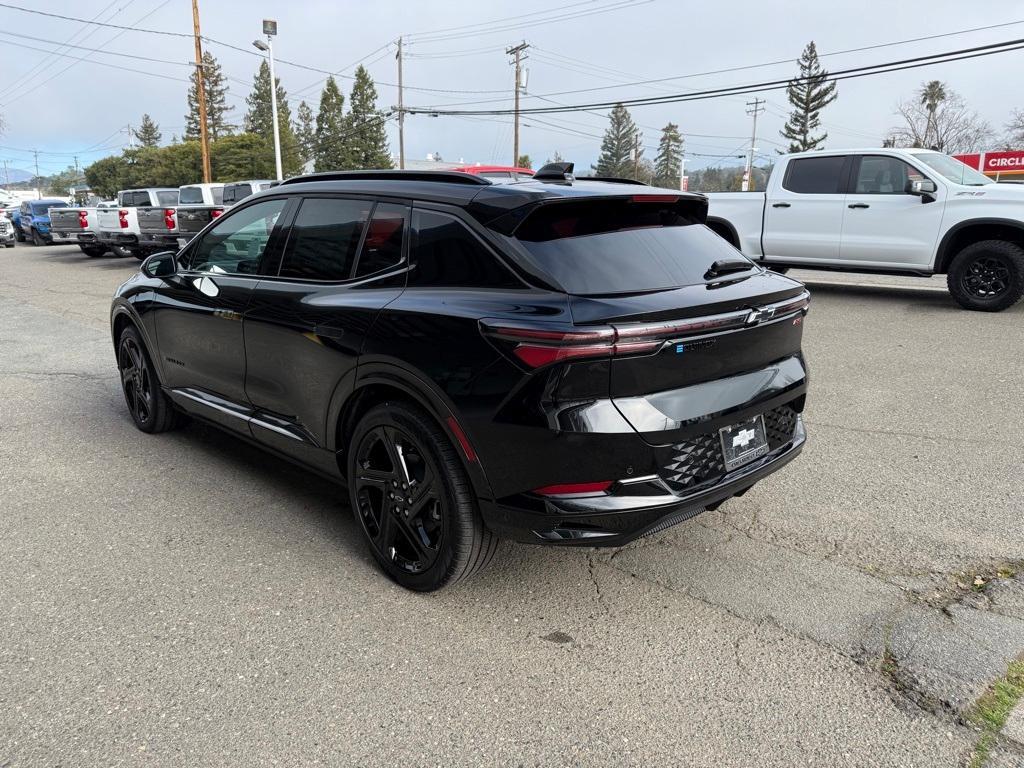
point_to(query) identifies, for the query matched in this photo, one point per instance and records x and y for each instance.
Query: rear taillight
(169, 218)
(216, 213)
(537, 347)
(122, 218)
(83, 219)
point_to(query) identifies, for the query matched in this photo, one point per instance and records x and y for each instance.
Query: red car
(496, 172)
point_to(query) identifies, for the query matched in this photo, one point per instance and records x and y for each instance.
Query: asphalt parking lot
(186, 600)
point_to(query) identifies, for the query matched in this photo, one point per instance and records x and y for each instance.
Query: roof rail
(447, 177)
(613, 180)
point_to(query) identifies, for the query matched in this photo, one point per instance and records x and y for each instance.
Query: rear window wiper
(725, 266)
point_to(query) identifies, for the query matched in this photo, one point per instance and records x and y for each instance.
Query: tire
(36, 239)
(987, 276)
(120, 251)
(8, 245)
(138, 254)
(150, 408)
(19, 235)
(93, 251)
(438, 538)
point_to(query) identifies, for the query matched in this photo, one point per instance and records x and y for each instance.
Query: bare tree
(1015, 130)
(940, 118)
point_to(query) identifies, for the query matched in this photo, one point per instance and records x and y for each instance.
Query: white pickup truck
(119, 227)
(169, 228)
(78, 226)
(896, 211)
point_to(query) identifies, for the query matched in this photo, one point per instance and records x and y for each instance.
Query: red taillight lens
(216, 213)
(122, 219)
(83, 219)
(655, 198)
(169, 218)
(566, 489)
(537, 347)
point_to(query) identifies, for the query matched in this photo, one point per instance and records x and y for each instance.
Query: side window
(236, 242)
(218, 195)
(815, 175)
(382, 247)
(229, 194)
(325, 238)
(447, 254)
(879, 175)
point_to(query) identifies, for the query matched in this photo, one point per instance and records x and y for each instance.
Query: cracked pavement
(187, 599)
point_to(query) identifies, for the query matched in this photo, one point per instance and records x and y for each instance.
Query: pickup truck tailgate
(157, 220)
(192, 220)
(69, 220)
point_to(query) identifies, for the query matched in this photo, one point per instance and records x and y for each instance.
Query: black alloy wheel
(987, 276)
(413, 500)
(148, 405)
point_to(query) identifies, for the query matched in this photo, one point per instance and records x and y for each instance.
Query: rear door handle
(858, 205)
(780, 205)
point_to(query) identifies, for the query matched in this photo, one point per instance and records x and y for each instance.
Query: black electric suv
(560, 360)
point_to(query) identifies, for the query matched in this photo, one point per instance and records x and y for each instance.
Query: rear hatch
(110, 219)
(685, 307)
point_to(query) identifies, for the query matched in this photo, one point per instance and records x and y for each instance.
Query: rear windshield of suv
(621, 246)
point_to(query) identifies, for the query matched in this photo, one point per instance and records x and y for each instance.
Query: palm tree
(932, 94)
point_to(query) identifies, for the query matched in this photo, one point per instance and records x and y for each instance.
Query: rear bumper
(74, 237)
(118, 238)
(631, 509)
(161, 239)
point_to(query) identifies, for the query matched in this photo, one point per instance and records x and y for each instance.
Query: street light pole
(270, 30)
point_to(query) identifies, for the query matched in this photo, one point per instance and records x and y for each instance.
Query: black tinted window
(325, 238)
(448, 254)
(382, 246)
(168, 197)
(236, 242)
(218, 195)
(621, 246)
(815, 175)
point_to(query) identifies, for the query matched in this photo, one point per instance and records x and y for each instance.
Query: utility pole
(401, 111)
(636, 155)
(39, 195)
(7, 176)
(754, 108)
(204, 138)
(131, 137)
(517, 52)
(682, 167)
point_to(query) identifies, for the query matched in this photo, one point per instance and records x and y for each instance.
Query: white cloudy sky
(62, 106)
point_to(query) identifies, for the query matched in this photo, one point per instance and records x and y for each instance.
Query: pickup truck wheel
(92, 251)
(19, 235)
(36, 239)
(987, 276)
(138, 254)
(120, 250)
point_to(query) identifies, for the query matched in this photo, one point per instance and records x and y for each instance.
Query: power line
(846, 74)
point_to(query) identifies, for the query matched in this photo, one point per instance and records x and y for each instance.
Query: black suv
(560, 361)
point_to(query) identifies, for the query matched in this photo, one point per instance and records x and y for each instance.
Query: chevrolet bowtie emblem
(759, 315)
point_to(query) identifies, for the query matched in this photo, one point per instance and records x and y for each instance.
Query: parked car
(34, 219)
(498, 173)
(555, 361)
(164, 227)
(239, 190)
(894, 211)
(78, 226)
(119, 227)
(6, 232)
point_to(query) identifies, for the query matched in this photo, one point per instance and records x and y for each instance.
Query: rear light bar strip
(537, 347)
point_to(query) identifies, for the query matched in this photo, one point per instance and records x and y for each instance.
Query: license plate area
(743, 442)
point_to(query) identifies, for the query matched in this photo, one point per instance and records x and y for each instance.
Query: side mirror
(921, 187)
(162, 264)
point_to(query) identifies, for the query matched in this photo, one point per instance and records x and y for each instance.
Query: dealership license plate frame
(743, 442)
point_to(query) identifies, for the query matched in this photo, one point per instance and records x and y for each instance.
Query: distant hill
(16, 176)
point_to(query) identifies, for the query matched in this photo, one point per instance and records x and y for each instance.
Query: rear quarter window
(621, 246)
(815, 175)
(447, 254)
(169, 197)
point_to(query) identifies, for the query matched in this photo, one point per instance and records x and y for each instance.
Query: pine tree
(523, 161)
(555, 158)
(809, 94)
(305, 133)
(364, 126)
(259, 120)
(618, 145)
(148, 133)
(667, 163)
(330, 145)
(217, 109)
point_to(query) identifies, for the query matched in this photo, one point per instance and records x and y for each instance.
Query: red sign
(1003, 162)
(1010, 162)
